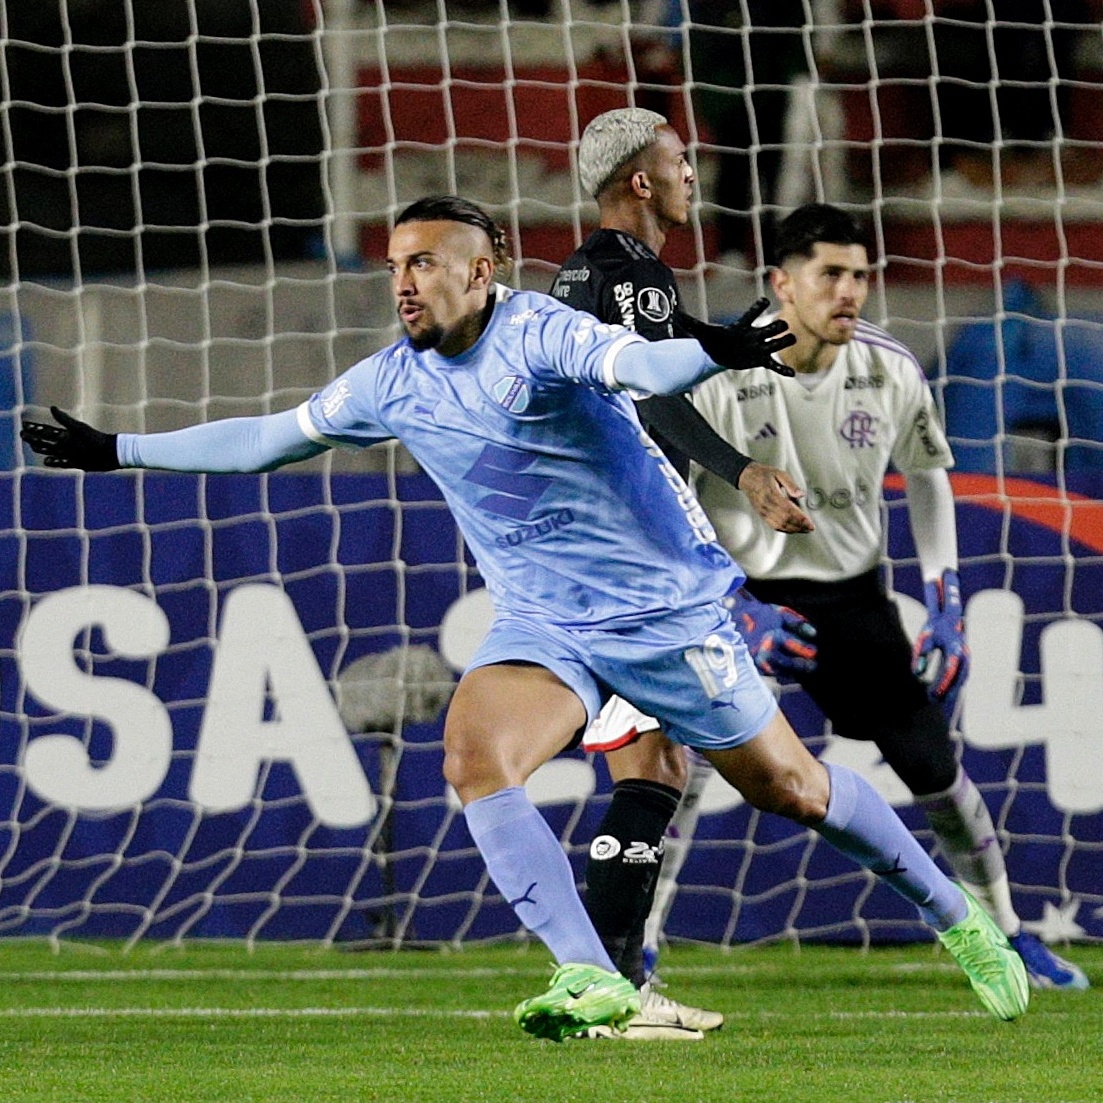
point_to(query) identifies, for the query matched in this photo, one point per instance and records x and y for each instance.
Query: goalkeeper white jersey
(872, 408)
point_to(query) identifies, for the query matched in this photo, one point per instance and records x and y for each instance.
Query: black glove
(73, 445)
(741, 345)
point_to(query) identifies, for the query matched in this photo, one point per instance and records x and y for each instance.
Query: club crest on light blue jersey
(512, 393)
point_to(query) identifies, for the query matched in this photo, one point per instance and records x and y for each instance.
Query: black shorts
(863, 680)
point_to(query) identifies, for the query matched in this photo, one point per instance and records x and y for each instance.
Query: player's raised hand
(71, 443)
(775, 498)
(781, 641)
(944, 634)
(741, 345)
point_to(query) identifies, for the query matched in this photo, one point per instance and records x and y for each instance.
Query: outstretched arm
(771, 491)
(670, 367)
(233, 444)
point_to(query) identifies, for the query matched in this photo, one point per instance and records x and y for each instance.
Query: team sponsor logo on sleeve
(654, 304)
(923, 430)
(512, 393)
(336, 398)
(624, 296)
(588, 326)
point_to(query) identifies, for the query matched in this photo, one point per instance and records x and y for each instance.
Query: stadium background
(195, 197)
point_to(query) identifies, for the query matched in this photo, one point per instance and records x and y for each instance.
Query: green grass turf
(217, 1024)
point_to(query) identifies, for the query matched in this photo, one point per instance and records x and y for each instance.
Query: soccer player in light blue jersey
(604, 572)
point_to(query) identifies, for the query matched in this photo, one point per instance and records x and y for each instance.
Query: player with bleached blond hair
(603, 570)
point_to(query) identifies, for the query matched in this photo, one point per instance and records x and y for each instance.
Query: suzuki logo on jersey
(859, 430)
(560, 519)
(653, 304)
(512, 393)
(502, 470)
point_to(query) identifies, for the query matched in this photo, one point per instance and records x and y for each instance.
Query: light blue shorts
(691, 670)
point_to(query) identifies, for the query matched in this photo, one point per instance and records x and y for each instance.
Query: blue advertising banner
(182, 754)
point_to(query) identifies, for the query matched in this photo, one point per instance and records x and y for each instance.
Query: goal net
(221, 697)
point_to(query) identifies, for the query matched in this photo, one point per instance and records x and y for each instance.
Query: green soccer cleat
(579, 997)
(995, 971)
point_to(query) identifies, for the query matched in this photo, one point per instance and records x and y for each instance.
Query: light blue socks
(527, 863)
(861, 825)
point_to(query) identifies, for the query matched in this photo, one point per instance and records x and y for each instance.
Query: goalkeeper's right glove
(944, 635)
(741, 345)
(74, 444)
(781, 641)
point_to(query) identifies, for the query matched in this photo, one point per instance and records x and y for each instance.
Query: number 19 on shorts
(714, 664)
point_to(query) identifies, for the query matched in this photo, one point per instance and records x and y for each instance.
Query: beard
(428, 338)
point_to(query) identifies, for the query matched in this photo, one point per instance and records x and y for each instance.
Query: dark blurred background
(158, 133)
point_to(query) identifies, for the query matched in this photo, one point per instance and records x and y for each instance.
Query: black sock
(623, 868)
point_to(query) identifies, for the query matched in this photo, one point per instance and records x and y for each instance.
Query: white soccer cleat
(662, 1019)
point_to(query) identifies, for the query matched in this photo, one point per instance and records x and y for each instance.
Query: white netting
(242, 676)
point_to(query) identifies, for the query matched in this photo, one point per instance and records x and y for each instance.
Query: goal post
(221, 696)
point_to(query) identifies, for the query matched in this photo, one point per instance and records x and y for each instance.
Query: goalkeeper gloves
(944, 632)
(73, 444)
(741, 345)
(781, 641)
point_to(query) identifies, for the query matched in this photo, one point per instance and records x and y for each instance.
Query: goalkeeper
(857, 402)
(604, 574)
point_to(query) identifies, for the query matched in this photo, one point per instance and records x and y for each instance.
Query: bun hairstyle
(452, 208)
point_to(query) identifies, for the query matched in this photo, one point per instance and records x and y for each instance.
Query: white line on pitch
(413, 1012)
(381, 973)
(240, 1013)
(413, 972)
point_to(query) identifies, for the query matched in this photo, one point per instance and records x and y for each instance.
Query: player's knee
(471, 771)
(671, 767)
(799, 795)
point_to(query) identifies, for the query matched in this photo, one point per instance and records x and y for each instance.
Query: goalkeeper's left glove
(944, 632)
(741, 345)
(781, 641)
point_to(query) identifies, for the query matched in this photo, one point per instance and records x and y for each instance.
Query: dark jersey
(619, 280)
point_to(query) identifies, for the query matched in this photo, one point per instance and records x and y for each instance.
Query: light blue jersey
(572, 512)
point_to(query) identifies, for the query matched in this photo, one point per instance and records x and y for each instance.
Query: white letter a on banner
(264, 654)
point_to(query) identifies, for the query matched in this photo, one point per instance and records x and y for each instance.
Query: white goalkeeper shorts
(617, 725)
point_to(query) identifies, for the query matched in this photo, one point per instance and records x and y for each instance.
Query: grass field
(217, 1024)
